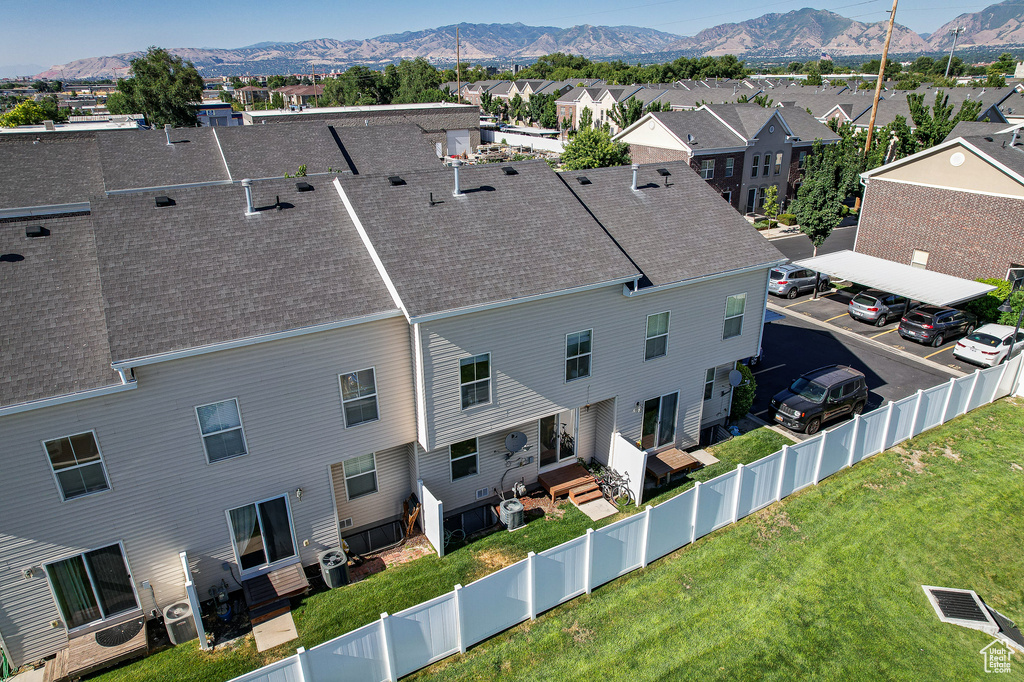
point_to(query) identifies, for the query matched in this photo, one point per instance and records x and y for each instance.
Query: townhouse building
(250, 372)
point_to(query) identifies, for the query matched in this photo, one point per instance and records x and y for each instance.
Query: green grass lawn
(326, 615)
(824, 585)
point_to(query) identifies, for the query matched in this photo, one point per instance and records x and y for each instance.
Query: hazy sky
(93, 28)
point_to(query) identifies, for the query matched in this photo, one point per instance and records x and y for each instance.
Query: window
(727, 196)
(359, 397)
(92, 586)
(475, 380)
(262, 533)
(659, 421)
(734, 315)
(707, 169)
(709, 383)
(801, 160)
(464, 459)
(729, 163)
(778, 162)
(760, 198)
(755, 166)
(767, 163)
(221, 427)
(657, 336)
(920, 259)
(577, 355)
(360, 476)
(77, 465)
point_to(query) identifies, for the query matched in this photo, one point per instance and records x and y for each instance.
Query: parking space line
(940, 351)
(768, 369)
(836, 317)
(797, 303)
(883, 333)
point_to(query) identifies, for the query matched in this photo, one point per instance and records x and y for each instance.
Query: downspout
(860, 213)
(764, 308)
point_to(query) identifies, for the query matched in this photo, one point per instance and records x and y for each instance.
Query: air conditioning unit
(511, 513)
(181, 627)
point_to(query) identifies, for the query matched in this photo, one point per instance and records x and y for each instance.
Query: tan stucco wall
(974, 174)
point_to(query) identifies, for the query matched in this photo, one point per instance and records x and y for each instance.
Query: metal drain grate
(959, 605)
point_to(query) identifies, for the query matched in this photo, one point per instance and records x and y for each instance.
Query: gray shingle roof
(272, 151)
(55, 336)
(201, 272)
(61, 168)
(137, 159)
(482, 247)
(1011, 155)
(383, 149)
(974, 129)
(805, 126)
(707, 131)
(675, 233)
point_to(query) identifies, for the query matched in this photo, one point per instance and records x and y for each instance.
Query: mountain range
(801, 33)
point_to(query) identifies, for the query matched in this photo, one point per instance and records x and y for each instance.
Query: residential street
(794, 346)
(799, 246)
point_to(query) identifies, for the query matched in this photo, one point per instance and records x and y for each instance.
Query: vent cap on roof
(395, 180)
(303, 187)
(509, 170)
(36, 231)
(663, 172)
(163, 201)
(583, 180)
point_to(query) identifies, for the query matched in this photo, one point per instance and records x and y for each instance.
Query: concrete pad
(35, 675)
(275, 632)
(704, 457)
(598, 509)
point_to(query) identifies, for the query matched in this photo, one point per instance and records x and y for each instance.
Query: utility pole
(316, 100)
(458, 69)
(956, 31)
(881, 75)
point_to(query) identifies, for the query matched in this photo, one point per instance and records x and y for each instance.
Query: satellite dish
(735, 378)
(516, 441)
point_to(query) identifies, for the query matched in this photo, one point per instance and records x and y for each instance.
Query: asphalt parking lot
(831, 308)
(795, 345)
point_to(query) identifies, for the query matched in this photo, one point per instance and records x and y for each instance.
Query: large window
(221, 427)
(801, 160)
(92, 586)
(755, 165)
(657, 336)
(734, 306)
(475, 380)
(577, 354)
(707, 169)
(359, 397)
(360, 476)
(463, 458)
(778, 162)
(77, 465)
(729, 166)
(262, 533)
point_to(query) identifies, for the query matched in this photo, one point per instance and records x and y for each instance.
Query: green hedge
(787, 218)
(986, 306)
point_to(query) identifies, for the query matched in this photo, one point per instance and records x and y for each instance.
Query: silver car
(792, 280)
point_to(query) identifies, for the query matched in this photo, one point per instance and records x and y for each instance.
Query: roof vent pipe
(1013, 140)
(167, 131)
(457, 192)
(636, 171)
(247, 185)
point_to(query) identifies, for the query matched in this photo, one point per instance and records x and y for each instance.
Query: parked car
(933, 324)
(989, 345)
(877, 307)
(820, 396)
(792, 280)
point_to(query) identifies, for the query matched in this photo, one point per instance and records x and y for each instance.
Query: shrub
(743, 395)
(787, 218)
(986, 306)
(762, 225)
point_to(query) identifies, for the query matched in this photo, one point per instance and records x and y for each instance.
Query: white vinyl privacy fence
(400, 643)
(432, 518)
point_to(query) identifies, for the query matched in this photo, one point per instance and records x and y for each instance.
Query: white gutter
(50, 209)
(430, 317)
(249, 341)
(764, 307)
(139, 190)
(67, 398)
(706, 278)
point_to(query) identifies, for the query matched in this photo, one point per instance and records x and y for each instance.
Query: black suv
(934, 324)
(820, 396)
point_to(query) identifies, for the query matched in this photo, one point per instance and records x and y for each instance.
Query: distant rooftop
(363, 109)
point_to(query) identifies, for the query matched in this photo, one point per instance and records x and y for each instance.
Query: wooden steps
(564, 479)
(585, 493)
(264, 612)
(56, 669)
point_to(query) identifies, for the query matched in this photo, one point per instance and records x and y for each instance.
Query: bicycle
(615, 486)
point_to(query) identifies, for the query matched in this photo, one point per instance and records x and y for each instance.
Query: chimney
(457, 192)
(636, 171)
(167, 131)
(247, 185)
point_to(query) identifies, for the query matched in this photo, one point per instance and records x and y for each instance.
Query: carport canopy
(916, 284)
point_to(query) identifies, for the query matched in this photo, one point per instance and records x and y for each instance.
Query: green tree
(923, 65)
(743, 395)
(586, 118)
(771, 205)
(1006, 64)
(26, 113)
(41, 86)
(515, 108)
(593, 148)
(625, 114)
(163, 87)
(933, 124)
(818, 203)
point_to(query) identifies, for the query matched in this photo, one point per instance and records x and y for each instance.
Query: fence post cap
(384, 615)
(589, 531)
(457, 586)
(301, 650)
(648, 508)
(530, 554)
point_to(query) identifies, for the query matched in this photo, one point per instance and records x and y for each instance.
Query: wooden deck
(85, 655)
(562, 480)
(672, 461)
(267, 595)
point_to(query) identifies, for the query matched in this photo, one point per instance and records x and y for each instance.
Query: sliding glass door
(92, 586)
(659, 422)
(557, 442)
(262, 533)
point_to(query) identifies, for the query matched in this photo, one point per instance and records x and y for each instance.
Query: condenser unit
(181, 627)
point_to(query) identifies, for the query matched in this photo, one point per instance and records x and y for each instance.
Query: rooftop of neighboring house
(894, 102)
(676, 228)
(977, 129)
(144, 158)
(806, 127)
(462, 252)
(53, 169)
(1006, 148)
(697, 129)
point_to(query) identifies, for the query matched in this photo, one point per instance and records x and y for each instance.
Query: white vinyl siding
(163, 500)
(359, 397)
(220, 425)
(577, 354)
(656, 344)
(77, 465)
(475, 380)
(394, 468)
(734, 306)
(360, 476)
